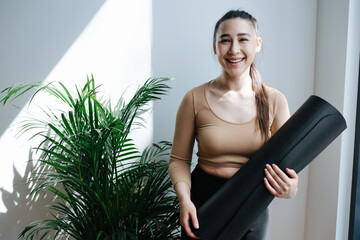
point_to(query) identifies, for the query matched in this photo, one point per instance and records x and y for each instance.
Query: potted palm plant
(103, 187)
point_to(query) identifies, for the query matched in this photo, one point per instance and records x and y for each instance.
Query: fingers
(274, 177)
(292, 173)
(189, 214)
(194, 219)
(278, 183)
(270, 188)
(277, 173)
(273, 182)
(195, 223)
(188, 229)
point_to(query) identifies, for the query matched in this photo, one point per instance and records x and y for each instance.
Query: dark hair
(261, 98)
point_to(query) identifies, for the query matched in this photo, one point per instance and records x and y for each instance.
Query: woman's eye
(224, 40)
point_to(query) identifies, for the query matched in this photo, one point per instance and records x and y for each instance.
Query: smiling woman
(295, 59)
(231, 117)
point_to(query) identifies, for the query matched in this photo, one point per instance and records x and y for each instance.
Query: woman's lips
(234, 60)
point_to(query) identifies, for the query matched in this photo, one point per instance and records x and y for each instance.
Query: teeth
(235, 61)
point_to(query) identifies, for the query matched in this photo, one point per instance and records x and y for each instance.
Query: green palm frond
(103, 187)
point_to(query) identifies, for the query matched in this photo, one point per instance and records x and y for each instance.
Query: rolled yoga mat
(229, 213)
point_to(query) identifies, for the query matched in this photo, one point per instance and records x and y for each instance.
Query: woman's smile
(234, 61)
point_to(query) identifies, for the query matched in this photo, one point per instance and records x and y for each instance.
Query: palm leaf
(93, 169)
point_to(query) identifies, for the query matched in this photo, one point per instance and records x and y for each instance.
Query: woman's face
(236, 45)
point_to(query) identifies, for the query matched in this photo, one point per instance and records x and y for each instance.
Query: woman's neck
(241, 83)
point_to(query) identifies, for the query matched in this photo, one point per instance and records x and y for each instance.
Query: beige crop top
(220, 143)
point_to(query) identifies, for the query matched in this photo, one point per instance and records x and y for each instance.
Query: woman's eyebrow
(239, 34)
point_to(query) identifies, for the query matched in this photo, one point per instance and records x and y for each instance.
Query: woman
(231, 117)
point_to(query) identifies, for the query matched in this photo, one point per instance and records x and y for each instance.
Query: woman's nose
(234, 48)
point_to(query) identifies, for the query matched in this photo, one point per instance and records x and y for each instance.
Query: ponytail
(262, 103)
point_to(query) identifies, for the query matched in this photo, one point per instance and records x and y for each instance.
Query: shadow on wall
(22, 207)
(34, 37)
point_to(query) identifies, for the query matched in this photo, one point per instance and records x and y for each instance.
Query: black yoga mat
(229, 213)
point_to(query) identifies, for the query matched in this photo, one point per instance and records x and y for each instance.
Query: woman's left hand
(278, 183)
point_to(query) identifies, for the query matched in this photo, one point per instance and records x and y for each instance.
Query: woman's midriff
(222, 172)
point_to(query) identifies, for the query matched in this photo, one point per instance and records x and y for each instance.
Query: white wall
(336, 79)
(63, 40)
(349, 106)
(182, 48)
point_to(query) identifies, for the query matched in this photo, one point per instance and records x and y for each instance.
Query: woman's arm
(180, 161)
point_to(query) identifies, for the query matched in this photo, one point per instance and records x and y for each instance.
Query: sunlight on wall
(116, 48)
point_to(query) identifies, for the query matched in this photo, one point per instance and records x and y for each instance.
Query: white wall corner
(349, 111)
(336, 76)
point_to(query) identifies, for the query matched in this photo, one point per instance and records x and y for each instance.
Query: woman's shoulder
(276, 99)
(195, 94)
(274, 95)
(200, 88)
(196, 91)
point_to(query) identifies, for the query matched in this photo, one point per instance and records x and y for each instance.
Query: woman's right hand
(187, 214)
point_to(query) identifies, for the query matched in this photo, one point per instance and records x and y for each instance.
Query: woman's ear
(214, 47)
(258, 44)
